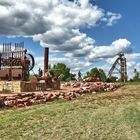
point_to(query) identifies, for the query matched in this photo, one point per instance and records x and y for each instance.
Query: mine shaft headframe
(121, 61)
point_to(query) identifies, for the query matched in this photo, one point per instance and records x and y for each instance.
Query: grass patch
(105, 116)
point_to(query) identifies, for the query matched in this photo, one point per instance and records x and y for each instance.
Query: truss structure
(122, 64)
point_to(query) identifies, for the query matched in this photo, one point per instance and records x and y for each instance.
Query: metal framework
(15, 62)
(121, 61)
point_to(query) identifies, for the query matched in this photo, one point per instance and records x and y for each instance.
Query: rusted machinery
(43, 76)
(15, 62)
(121, 62)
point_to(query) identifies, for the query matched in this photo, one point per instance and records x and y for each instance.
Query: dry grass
(104, 116)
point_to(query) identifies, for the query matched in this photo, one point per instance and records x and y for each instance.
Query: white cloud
(1, 48)
(74, 64)
(131, 65)
(55, 23)
(133, 56)
(118, 46)
(111, 18)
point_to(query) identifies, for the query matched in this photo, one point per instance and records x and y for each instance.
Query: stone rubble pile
(92, 79)
(89, 87)
(76, 89)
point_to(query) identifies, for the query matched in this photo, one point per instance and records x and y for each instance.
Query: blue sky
(78, 33)
(127, 27)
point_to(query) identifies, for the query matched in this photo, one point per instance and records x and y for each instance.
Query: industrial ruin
(15, 65)
(121, 67)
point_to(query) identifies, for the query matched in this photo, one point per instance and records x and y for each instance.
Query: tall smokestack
(46, 60)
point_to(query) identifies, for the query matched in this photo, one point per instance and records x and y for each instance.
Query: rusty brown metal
(121, 61)
(16, 61)
(46, 60)
(0, 61)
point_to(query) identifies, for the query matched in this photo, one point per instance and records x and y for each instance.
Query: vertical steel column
(123, 68)
(24, 70)
(10, 69)
(46, 60)
(0, 60)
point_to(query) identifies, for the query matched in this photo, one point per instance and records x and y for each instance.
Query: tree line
(62, 72)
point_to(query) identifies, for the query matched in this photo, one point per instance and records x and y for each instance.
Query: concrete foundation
(10, 86)
(22, 86)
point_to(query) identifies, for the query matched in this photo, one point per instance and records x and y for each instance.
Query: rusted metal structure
(50, 82)
(15, 62)
(121, 62)
(46, 60)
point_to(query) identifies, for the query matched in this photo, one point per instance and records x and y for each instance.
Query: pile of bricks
(76, 89)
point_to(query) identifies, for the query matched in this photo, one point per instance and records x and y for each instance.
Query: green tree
(136, 75)
(62, 72)
(27, 76)
(112, 79)
(102, 75)
(95, 72)
(72, 76)
(92, 73)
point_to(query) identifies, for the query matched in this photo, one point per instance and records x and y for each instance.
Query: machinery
(15, 62)
(15, 65)
(43, 75)
(121, 66)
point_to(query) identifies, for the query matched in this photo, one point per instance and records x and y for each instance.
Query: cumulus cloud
(73, 63)
(133, 56)
(55, 23)
(131, 65)
(118, 46)
(25, 17)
